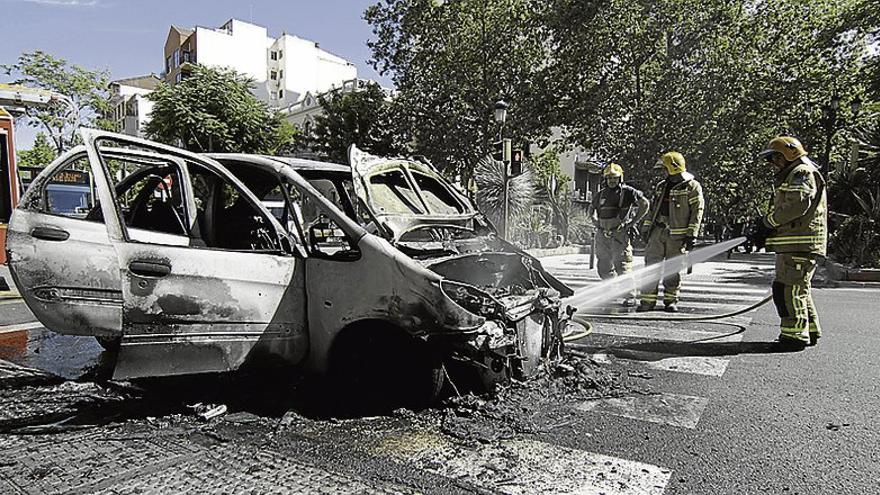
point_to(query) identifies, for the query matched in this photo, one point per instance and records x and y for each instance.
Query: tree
(40, 155)
(553, 189)
(450, 62)
(213, 110)
(87, 90)
(361, 117)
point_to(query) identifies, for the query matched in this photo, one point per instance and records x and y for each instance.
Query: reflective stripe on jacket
(686, 206)
(800, 212)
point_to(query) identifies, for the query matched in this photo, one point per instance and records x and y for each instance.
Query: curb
(20, 327)
(840, 273)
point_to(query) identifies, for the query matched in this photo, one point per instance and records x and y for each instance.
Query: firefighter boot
(788, 344)
(671, 307)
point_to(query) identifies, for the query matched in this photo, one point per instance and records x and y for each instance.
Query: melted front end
(519, 300)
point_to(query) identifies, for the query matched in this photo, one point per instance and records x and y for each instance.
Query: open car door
(209, 281)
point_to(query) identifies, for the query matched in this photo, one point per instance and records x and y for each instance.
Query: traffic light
(501, 150)
(516, 163)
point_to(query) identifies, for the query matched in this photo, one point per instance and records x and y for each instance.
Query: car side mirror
(328, 240)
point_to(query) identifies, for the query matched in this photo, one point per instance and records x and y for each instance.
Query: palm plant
(489, 177)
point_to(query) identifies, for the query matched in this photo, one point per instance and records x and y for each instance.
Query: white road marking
(18, 327)
(664, 333)
(697, 365)
(672, 409)
(525, 466)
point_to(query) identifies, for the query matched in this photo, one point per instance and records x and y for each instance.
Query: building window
(186, 56)
(280, 94)
(281, 74)
(273, 55)
(274, 95)
(176, 57)
(168, 64)
(280, 54)
(179, 77)
(273, 75)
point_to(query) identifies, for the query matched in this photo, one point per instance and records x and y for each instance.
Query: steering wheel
(141, 201)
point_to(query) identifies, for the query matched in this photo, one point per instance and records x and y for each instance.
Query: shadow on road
(655, 351)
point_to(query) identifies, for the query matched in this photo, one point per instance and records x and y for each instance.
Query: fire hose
(588, 327)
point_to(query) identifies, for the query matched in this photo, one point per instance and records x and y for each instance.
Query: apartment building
(129, 106)
(284, 69)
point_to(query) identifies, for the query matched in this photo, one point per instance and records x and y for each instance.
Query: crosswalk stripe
(674, 334)
(696, 365)
(672, 409)
(525, 466)
(686, 286)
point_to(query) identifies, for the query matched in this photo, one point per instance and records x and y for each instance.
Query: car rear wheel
(377, 370)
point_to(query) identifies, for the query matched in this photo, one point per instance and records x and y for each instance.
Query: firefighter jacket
(613, 206)
(684, 197)
(799, 215)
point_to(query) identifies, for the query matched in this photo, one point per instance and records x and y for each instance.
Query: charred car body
(193, 264)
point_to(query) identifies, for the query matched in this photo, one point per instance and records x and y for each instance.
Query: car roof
(294, 163)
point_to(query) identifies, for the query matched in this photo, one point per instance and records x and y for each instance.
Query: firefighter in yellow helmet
(616, 209)
(672, 227)
(796, 229)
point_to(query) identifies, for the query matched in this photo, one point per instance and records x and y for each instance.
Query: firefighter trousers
(662, 246)
(791, 294)
(614, 255)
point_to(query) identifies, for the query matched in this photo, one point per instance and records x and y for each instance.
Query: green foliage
(40, 155)
(86, 89)
(553, 189)
(362, 118)
(213, 110)
(450, 62)
(629, 80)
(857, 241)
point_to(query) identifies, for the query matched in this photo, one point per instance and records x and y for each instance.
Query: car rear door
(60, 253)
(231, 294)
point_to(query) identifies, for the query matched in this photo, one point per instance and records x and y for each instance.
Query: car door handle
(50, 234)
(149, 269)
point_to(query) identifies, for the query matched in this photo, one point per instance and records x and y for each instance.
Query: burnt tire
(110, 344)
(376, 371)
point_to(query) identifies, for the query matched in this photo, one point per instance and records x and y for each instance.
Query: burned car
(191, 263)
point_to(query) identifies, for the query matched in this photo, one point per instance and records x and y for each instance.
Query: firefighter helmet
(613, 170)
(673, 162)
(789, 147)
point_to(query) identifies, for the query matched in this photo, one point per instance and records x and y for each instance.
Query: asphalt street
(711, 409)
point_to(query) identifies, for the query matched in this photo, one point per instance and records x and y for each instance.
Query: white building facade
(129, 106)
(284, 69)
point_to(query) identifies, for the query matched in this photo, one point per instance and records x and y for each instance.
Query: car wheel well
(380, 366)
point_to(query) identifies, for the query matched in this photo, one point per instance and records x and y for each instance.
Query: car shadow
(656, 351)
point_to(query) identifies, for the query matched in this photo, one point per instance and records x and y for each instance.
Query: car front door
(231, 293)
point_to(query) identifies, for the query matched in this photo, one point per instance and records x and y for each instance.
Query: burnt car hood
(364, 166)
(463, 246)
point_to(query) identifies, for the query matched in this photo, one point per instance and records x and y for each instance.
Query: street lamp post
(855, 106)
(500, 117)
(830, 122)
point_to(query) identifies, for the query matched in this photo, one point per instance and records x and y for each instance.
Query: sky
(126, 37)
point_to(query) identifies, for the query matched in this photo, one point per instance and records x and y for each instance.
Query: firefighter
(796, 229)
(672, 227)
(617, 207)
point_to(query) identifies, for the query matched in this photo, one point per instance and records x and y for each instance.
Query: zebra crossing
(713, 288)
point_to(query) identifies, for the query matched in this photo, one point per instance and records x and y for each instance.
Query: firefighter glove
(689, 243)
(758, 233)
